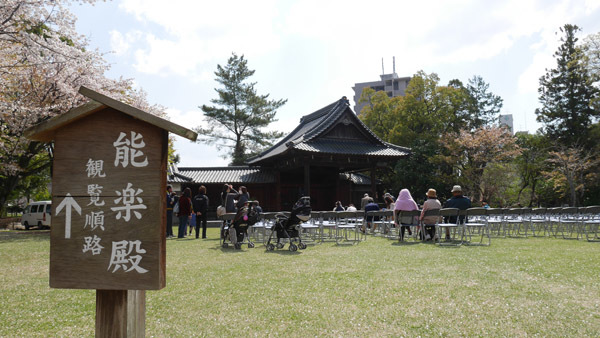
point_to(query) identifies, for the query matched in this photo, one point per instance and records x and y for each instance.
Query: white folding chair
(345, 225)
(452, 223)
(476, 221)
(591, 222)
(517, 221)
(377, 220)
(495, 219)
(327, 222)
(553, 216)
(539, 221)
(569, 223)
(311, 228)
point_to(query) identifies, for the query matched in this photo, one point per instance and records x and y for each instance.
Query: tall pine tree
(239, 115)
(566, 94)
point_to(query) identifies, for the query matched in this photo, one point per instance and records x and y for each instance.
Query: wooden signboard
(109, 206)
(109, 213)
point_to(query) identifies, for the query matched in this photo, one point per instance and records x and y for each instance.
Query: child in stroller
(237, 231)
(290, 227)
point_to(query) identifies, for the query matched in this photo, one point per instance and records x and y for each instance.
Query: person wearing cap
(457, 201)
(429, 222)
(364, 201)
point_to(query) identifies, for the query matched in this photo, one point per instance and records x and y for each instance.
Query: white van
(37, 214)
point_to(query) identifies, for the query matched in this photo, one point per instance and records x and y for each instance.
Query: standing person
(389, 205)
(185, 211)
(405, 202)
(242, 197)
(228, 198)
(200, 204)
(338, 206)
(429, 222)
(170, 205)
(364, 201)
(457, 201)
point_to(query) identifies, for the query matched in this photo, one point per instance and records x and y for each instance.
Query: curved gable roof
(308, 136)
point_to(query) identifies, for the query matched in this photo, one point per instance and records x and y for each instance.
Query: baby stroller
(289, 227)
(244, 218)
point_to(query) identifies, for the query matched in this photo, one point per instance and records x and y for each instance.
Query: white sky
(312, 52)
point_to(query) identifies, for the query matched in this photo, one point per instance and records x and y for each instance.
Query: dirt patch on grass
(8, 235)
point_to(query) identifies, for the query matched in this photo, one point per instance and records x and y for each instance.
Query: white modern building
(392, 84)
(506, 120)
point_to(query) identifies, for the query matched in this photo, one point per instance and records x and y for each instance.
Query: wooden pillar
(306, 179)
(373, 185)
(277, 191)
(120, 313)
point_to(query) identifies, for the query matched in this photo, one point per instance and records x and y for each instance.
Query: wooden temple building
(325, 157)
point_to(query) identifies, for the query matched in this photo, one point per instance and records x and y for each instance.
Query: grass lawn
(516, 287)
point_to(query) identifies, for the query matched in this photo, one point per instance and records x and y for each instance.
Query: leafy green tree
(531, 164)
(239, 115)
(379, 111)
(567, 93)
(416, 120)
(479, 106)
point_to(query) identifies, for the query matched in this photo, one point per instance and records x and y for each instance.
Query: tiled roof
(240, 174)
(208, 175)
(349, 147)
(306, 136)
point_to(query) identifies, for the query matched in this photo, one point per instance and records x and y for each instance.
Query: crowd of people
(185, 206)
(405, 202)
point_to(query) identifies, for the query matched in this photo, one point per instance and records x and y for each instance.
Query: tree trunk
(532, 196)
(572, 189)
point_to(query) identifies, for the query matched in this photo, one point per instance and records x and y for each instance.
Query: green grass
(516, 287)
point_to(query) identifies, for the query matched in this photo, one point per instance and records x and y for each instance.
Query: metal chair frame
(454, 227)
(346, 222)
(476, 218)
(414, 226)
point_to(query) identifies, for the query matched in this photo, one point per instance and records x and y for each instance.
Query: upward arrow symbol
(68, 202)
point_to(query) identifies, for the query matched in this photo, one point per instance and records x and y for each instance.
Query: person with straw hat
(429, 222)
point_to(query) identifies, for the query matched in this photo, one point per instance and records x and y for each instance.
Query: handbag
(176, 208)
(221, 211)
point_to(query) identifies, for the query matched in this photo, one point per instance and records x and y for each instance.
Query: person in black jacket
(200, 203)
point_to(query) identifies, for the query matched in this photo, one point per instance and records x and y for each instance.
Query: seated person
(405, 202)
(457, 201)
(371, 206)
(429, 222)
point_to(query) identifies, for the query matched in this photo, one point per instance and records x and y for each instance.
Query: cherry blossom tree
(471, 153)
(43, 62)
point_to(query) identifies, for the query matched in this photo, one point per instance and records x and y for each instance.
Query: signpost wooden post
(109, 206)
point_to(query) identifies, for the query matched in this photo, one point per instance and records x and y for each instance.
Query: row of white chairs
(454, 227)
